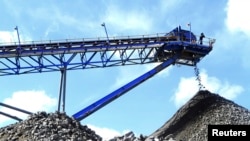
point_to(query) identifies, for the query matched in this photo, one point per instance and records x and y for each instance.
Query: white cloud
(188, 87)
(230, 92)
(58, 20)
(127, 19)
(7, 37)
(106, 133)
(238, 18)
(31, 101)
(10, 37)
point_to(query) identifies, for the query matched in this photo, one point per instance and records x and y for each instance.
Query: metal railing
(83, 39)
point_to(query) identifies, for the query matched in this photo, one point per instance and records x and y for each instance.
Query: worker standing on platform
(201, 38)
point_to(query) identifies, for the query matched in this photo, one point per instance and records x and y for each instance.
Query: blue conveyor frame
(171, 53)
(64, 55)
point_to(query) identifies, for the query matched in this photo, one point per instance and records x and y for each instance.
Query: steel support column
(62, 92)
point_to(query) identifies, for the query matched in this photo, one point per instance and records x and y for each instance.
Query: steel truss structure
(80, 54)
(64, 55)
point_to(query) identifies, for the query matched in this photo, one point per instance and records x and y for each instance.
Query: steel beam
(15, 108)
(122, 90)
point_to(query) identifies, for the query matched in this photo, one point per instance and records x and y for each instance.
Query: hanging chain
(198, 78)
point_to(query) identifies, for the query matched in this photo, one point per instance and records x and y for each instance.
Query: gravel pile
(190, 122)
(48, 127)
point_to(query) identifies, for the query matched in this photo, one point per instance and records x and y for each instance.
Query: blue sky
(144, 109)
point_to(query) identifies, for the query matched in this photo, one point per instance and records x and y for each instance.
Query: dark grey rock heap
(190, 122)
(48, 127)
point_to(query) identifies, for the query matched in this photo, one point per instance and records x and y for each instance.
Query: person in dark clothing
(201, 38)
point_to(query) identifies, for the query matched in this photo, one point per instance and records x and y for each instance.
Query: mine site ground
(190, 122)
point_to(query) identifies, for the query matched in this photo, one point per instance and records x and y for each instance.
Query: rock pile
(48, 127)
(130, 136)
(190, 122)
